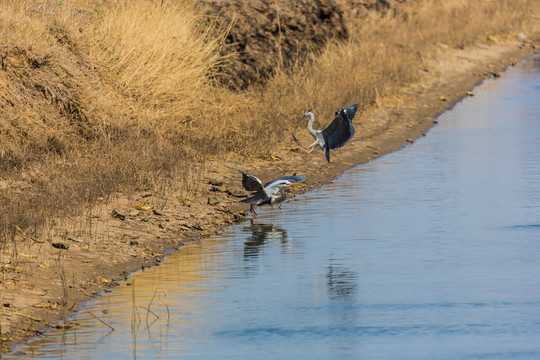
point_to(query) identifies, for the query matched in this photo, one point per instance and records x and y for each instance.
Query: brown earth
(94, 252)
(261, 34)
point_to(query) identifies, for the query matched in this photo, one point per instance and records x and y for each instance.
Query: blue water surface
(431, 252)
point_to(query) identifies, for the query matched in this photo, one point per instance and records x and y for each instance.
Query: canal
(430, 252)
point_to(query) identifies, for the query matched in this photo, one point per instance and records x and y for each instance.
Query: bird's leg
(300, 144)
(253, 212)
(312, 146)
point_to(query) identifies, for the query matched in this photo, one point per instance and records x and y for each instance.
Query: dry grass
(98, 96)
(385, 54)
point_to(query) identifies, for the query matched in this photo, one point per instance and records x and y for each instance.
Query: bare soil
(262, 32)
(51, 279)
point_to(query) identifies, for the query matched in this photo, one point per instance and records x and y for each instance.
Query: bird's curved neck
(283, 193)
(310, 125)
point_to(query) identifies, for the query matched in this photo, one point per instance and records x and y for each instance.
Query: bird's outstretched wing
(272, 187)
(250, 182)
(341, 129)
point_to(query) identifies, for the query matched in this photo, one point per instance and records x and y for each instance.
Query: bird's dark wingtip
(327, 153)
(350, 111)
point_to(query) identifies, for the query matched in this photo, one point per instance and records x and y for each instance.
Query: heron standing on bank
(270, 193)
(335, 135)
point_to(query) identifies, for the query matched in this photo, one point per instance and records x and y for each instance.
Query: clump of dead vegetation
(100, 96)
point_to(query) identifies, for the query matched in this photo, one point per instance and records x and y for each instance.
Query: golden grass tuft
(161, 62)
(100, 96)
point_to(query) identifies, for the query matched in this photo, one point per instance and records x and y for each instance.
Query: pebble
(60, 245)
(219, 181)
(118, 215)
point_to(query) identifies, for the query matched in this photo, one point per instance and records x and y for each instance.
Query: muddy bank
(92, 253)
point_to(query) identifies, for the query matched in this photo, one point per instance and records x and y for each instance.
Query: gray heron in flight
(335, 135)
(270, 193)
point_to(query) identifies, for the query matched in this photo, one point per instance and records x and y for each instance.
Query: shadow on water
(342, 282)
(260, 234)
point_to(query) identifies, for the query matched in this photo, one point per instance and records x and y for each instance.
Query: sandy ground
(51, 278)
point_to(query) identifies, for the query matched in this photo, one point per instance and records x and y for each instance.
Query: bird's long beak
(303, 116)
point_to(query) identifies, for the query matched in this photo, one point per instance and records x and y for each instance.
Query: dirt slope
(262, 34)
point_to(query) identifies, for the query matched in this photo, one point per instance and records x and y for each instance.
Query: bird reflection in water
(342, 282)
(260, 233)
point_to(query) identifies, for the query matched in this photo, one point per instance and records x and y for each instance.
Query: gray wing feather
(257, 199)
(272, 187)
(341, 129)
(250, 182)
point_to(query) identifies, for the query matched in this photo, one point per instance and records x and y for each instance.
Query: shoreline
(130, 233)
